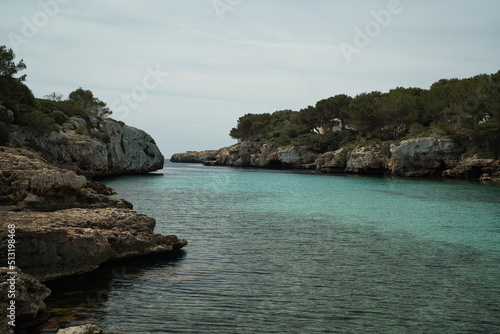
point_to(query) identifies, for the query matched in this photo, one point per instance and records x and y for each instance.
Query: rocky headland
(93, 147)
(63, 222)
(421, 157)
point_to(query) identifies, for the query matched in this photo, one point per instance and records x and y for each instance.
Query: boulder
(333, 162)
(423, 157)
(295, 156)
(84, 329)
(367, 160)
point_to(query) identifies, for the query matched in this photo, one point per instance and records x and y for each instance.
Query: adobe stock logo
(153, 79)
(31, 27)
(372, 29)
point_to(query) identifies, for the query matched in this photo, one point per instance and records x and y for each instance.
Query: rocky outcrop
(366, 160)
(94, 148)
(436, 157)
(333, 162)
(27, 181)
(28, 304)
(251, 154)
(195, 157)
(51, 245)
(423, 157)
(65, 224)
(475, 168)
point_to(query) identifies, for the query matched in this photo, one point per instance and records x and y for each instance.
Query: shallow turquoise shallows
(288, 252)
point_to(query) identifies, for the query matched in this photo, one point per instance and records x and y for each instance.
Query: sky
(185, 70)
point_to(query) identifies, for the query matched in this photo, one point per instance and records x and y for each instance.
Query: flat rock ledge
(53, 245)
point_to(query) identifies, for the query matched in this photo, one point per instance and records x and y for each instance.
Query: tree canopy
(85, 98)
(465, 110)
(8, 68)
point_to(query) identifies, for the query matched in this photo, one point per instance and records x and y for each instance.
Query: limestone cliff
(93, 147)
(430, 156)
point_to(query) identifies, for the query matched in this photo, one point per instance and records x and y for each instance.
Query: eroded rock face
(435, 157)
(333, 162)
(295, 157)
(475, 168)
(27, 181)
(108, 148)
(29, 296)
(251, 154)
(367, 160)
(195, 157)
(423, 157)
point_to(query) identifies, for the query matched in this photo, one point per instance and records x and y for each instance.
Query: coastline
(421, 157)
(64, 224)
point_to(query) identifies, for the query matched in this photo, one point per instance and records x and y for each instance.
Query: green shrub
(39, 122)
(59, 117)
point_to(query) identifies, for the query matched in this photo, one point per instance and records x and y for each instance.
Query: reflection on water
(79, 300)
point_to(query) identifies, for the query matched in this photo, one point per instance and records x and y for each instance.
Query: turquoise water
(287, 252)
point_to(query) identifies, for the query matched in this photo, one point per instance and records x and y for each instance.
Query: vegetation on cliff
(18, 106)
(464, 110)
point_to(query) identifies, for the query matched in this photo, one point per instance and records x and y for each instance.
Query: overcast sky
(186, 70)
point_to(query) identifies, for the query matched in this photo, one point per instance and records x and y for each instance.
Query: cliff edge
(93, 147)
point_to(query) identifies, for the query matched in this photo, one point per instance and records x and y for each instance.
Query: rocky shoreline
(64, 225)
(421, 157)
(62, 222)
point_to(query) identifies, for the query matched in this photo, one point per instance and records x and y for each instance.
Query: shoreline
(423, 157)
(63, 225)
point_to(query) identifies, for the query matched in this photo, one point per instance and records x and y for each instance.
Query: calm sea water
(285, 252)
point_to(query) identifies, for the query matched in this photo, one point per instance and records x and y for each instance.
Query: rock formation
(65, 224)
(423, 157)
(28, 301)
(93, 147)
(436, 157)
(84, 329)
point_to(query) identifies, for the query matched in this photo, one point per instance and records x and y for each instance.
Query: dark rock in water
(84, 329)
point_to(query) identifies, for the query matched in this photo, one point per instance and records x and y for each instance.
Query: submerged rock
(84, 329)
